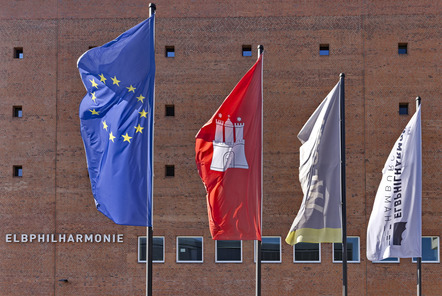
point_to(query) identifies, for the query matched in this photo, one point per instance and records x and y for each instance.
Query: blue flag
(116, 118)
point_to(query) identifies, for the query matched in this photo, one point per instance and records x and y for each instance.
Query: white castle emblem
(228, 147)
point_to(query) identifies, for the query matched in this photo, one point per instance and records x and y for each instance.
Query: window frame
(402, 46)
(17, 171)
(403, 106)
(139, 250)
(348, 261)
(414, 259)
(228, 261)
(189, 261)
(268, 261)
(168, 109)
(308, 262)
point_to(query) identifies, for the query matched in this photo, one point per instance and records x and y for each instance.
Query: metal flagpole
(343, 193)
(257, 242)
(149, 238)
(419, 259)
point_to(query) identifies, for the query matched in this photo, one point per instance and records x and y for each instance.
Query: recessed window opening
(170, 51)
(189, 249)
(18, 171)
(324, 49)
(17, 111)
(18, 52)
(307, 253)
(246, 50)
(402, 48)
(403, 108)
(228, 251)
(170, 110)
(170, 170)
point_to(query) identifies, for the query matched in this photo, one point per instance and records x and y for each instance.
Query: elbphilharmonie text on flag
(116, 118)
(319, 217)
(228, 156)
(395, 225)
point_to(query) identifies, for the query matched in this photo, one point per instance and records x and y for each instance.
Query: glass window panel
(307, 252)
(430, 249)
(271, 249)
(158, 249)
(352, 250)
(228, 251)
(190, 249)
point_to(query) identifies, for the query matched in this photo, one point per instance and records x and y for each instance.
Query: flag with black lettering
(395, 226)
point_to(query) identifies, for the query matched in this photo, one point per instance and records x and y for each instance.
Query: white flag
(319, 218)
(395, 226)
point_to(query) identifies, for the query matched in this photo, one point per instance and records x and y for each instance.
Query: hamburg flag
(319, 218)
(116, 119)
(228, 157)
(395, 225)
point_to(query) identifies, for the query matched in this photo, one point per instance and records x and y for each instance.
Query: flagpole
(149, 238)
(258, 243)
(343, 193)
(419, 259)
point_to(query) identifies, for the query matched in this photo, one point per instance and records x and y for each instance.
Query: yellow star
(94, 84)
(115, 80)
(94, 112)
(111, 137)
(104, 125)
(139, 129)
(126, 138)
(93, 97)
(143, 114)
(131, 88)
(141, 98)
(102, 78)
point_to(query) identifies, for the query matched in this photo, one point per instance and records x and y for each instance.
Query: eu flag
(116, 118)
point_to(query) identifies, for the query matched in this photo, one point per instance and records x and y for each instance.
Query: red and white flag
(229, 160)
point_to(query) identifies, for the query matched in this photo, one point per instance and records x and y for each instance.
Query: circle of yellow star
(102, 78)
(139, 129)
(143, 114)
(94, 84)
(115, 80)
(111, 137)
(126, 138)
(94, 112)
(141, 98)
(131, 88)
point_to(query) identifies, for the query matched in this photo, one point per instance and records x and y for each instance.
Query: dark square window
(403, 108)
(190, 249)
(402, 48)
(170, 51)
(271, 249)
(18, 52)
(18, 171)
(170, 110)
(246, 50)
(157, 249)
(17, 111)
(228, 251)
(307, 253)
(170, 170)
(324, 49)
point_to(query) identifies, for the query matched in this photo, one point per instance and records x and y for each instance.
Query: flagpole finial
(260, 49)
(342, 75)
(152, 8)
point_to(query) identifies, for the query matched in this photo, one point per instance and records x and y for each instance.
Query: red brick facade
(54, 194)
